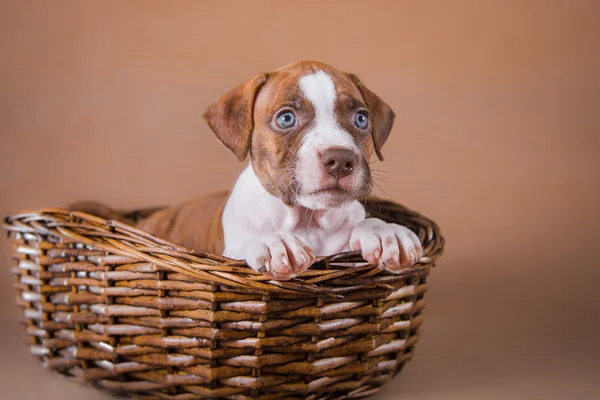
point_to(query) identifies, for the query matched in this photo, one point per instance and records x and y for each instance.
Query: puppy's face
(310, 131)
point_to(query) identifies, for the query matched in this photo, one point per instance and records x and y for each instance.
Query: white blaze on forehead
(319, 89)
(323, 134)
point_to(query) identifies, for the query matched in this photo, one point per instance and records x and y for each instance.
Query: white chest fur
(251, 211)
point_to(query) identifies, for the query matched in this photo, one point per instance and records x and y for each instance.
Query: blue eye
(286, 120)
(361, 120)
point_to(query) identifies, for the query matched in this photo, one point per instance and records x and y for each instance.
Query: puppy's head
(309, 130)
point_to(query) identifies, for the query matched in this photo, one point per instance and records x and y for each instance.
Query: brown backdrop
(497, 138)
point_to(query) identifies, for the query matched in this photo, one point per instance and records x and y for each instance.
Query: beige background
(497, 138)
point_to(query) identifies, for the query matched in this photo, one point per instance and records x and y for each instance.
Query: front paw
(279, 255)
(390, 246)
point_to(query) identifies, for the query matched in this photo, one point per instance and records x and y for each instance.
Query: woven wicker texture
(112, 306)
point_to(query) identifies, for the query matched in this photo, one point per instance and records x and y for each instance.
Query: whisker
(253, 187)
(309, 221)
(288, 147)
(380, 188)
(259, 200)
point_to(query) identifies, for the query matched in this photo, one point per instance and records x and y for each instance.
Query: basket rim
(120, 239)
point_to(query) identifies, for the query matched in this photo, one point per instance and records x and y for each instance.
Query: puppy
(309, 131)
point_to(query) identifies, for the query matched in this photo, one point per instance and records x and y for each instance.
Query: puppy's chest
(325, 240)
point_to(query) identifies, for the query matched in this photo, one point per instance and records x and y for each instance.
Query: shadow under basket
(114, 307)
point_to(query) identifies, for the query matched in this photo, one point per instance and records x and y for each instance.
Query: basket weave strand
(115, 307)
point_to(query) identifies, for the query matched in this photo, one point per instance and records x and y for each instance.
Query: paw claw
(388, 246)
(392, 261)
(282, 269)
(279, 256)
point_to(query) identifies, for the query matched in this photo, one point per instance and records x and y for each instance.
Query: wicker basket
(110, 305)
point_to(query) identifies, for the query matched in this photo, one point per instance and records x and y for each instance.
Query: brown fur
(382, 116)
(273, 152)
(231, 117)
(195, 224)
(243, 120)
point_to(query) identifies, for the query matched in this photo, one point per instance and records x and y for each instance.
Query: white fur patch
(325, 133)
(251, 212)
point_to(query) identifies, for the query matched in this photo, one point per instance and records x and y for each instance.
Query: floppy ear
(382, 116)
(231, 118)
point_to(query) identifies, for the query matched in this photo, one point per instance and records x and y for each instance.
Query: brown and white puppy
(309, 131)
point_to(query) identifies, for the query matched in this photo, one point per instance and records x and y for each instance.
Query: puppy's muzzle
(338, 162)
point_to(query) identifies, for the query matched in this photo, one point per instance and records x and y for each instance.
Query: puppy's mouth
(335, 190)
(326, 197)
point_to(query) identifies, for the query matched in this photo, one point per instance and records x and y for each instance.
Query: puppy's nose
(338, 162)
